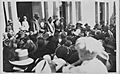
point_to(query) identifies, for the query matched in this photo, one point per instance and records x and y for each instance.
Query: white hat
(23, 58)
(24, 17)
(47, 57)
(60, 62)
(92, 45)
(80, 22)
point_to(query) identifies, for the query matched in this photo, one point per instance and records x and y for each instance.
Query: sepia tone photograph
(56, 36)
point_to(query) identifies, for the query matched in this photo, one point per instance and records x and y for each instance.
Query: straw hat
(23, 58)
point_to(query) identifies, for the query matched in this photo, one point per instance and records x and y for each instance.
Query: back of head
(88, 46)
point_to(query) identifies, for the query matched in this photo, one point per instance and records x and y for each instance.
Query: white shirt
(25, 25)
(37, 25)
(17, 27)
(93, 66)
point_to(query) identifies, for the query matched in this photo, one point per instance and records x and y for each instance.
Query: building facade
(88, 11)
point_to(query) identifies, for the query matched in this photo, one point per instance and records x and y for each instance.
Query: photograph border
(2, 22)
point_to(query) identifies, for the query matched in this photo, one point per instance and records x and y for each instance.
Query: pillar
(73, 13)
(108, 21)
(6, 9)
(58, 3)
(105, 13)
(2, 30)
(76, 7)
(14, 15)
(68, 13)
(98, 12)
(2, 18)
(50, 9)
(43, 13)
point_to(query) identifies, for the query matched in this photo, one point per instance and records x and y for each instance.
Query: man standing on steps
(35, 23)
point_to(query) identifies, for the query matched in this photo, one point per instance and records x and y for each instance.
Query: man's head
(36, 16)
(88, 48)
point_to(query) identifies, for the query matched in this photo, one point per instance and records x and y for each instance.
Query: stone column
(2, 19)
(107, 10)
(43, 13)
(58, 3)
(14, 15)
(76, 7)
(2, 30)
(50, 9)
(98, 12)
(68, 13)
(6, 9)
(105, 13)
(73, 13)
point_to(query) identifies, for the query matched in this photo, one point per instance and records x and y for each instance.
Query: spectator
(87, 52)
(25, 24)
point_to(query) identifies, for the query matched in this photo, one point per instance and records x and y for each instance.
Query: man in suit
(35, 24)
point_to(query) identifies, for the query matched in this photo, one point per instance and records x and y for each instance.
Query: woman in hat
(88, 48)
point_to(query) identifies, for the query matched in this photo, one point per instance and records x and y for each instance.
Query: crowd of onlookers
(55, 38)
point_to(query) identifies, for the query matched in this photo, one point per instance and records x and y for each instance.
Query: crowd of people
(57, 47)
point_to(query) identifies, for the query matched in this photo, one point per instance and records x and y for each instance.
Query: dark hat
(86, 24)
(10, 21)
(36, 15)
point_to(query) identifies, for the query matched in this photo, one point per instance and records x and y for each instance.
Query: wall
(88, 12)
(37, 8)
(2, 30)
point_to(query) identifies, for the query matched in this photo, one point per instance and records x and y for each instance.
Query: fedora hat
(36, 16)
(23, 58)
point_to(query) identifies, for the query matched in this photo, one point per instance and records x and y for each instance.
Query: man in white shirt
(88, 48)
(18, 26)
(25, 25)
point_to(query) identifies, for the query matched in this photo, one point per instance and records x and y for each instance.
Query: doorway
(24, 9)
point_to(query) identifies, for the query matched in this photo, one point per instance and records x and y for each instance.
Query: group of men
(55, 38)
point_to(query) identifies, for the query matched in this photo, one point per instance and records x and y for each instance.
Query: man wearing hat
(35, 24)
(23, 60)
